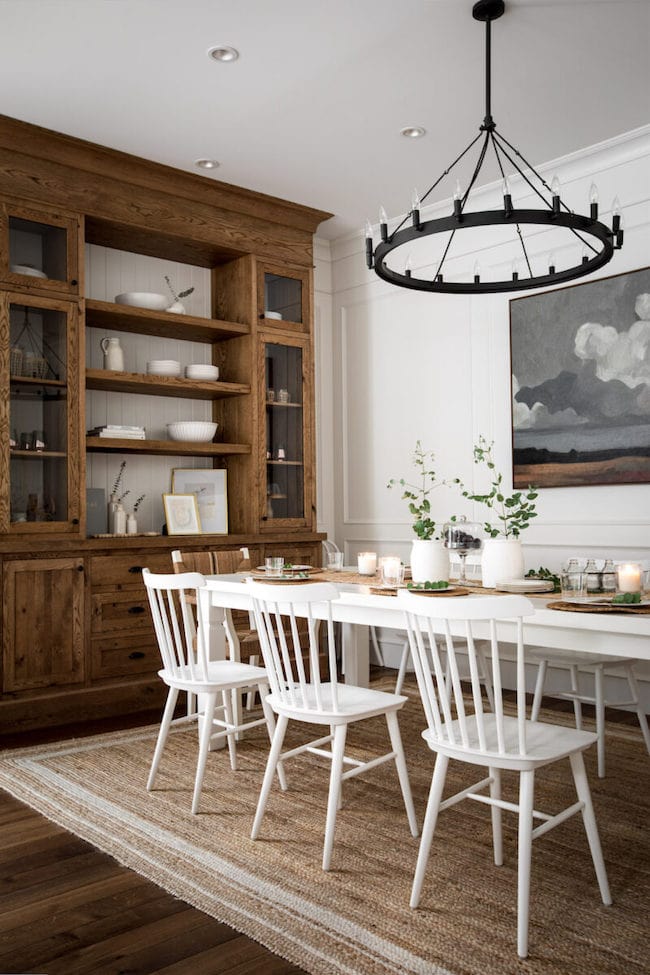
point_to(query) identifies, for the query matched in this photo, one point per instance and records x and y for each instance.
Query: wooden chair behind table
(459, 728)
(239, 626)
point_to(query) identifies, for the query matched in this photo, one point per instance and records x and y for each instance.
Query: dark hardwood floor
(67, 909)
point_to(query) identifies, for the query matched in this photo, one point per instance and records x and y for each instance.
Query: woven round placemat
(619, 608)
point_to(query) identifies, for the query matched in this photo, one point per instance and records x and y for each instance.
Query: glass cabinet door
(40, 250)
(283, 297)
(41, 434)
(286, 433)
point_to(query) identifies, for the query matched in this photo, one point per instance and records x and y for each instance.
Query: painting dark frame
(589, 448)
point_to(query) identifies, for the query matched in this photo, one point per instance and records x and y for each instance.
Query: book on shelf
(118, 433)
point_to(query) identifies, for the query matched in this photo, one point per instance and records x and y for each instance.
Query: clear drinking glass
(335, 561)
(573, 585)
(273, 565)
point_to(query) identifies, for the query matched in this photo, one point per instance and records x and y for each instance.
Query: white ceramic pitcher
(113, 354)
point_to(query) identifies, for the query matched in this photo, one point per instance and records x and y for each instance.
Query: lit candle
(629, 577)
(367, 563)
(391, 570)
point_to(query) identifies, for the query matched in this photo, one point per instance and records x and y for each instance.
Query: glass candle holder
(629, 577)
(392, 571)
(367, 563)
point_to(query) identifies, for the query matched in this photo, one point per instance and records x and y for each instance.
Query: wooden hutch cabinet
(77, 639)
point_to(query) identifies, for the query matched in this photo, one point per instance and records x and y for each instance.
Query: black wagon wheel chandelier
(598, 241)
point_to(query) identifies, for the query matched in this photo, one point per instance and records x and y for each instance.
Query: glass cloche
(463, 537)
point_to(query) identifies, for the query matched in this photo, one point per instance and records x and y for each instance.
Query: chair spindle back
(278, 610)
(457, 718)
(172, 599)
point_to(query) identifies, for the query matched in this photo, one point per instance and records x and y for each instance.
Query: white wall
(409, 366)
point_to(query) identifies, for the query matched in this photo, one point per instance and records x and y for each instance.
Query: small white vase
(429, 561)
(177, 307)
(501, 559)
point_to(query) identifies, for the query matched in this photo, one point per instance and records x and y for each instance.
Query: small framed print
(182, 514)
(211, 492)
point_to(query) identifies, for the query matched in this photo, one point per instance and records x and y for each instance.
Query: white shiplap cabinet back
(109, 273)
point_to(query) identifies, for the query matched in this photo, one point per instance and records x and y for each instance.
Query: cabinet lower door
(288, 434)
(43, 623)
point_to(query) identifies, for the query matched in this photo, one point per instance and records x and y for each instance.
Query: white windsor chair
(303, 695)
(459, 728)
(595, 665)
(186, 667)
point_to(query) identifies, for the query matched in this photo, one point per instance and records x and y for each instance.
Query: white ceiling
(312, 110)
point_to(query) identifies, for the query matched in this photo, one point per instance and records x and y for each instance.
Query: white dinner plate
(524, 585)
(294, 568)
(596, 601)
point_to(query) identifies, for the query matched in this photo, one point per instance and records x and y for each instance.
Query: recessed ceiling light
(207, 163)
(413, 132)
(222, 52)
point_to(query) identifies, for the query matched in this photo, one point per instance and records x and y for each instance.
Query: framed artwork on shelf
(182, 514)
(581, 383)
(210, 487)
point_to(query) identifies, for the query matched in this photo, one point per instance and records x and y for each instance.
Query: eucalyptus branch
(138, 502)
(119, 477)
(417, 495)
(514, 511)
(181, 294)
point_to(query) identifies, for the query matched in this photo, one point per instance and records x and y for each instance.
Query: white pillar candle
(367, 563)
(629, 577)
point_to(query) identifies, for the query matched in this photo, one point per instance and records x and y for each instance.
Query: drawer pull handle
(136, 655)
(136, 610)
(135, 568)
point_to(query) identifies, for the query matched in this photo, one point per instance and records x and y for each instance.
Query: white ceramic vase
(429, 561)
(177, 307)
(501, 559)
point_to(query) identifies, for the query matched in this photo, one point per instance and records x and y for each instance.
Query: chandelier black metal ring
(599, 241)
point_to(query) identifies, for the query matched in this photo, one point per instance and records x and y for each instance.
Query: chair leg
(497, 832)
(204, 747)
(401, 673)
(375, 645)
(600, 719)
(250, 696)
(165, 724)
(400, 762)
(525, 844)
(270, 727)
(634, 691)
(272, 761)
(430, 819)
(589, 819)
(539, 690)
(338, 751)
(230, 718)
(575, 687)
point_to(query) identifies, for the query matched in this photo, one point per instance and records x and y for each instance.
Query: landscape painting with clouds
(581, 383)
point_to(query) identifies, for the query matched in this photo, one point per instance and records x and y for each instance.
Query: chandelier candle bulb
(593, 201)
(415, 209)
(551, 263)
(585, 255)
(515, 270)
(367, 563)
(477, 272)
(629, 577)
(616, 215)
(555, 190)
(458, 202)
(408, 267)
(383, 224)
(507, 197)
(369, 259)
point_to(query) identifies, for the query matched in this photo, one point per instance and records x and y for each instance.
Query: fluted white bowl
(192, 431)
(202, 372)
(163, 367)
(143, 299)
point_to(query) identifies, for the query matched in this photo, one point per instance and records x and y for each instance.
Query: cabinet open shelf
(35, 454)
(169, 447)
(295, 406)
(285, 463)
(125, 318)
(133, 382)
(30, 382)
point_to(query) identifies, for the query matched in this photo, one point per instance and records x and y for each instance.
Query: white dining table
(357, 609)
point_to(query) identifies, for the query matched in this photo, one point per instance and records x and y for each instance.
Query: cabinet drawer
(117, 571)
(128, 611)
(124, 654)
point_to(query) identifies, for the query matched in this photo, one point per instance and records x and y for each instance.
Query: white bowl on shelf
(202, 372)
(143, 299)
(29, 269)
(275, 315)
(192, 431)
(163, 367)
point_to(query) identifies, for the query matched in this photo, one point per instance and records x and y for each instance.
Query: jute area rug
(355, 920)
